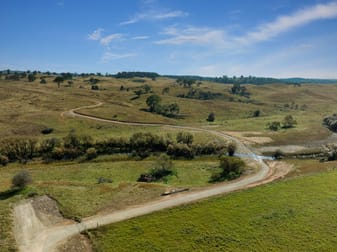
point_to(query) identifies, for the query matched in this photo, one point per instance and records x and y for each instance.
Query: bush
(46, 131)
(289, 122)
(256, 113)
(3, 160)
(231, 148)
(91, 153)
(161, 169)
(277, 154)
(232, 168)
(185, 138)
(180, 150)
(21, 179)
(211, 117)
(275, 126)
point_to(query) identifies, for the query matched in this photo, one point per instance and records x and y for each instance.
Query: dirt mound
(47, 210)
(77, 243)
(33, 218)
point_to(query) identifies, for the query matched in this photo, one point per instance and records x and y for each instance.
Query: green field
(298, 214)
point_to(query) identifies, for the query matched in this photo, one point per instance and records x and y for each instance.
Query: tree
(256, 113)
(21, 179)
(31, 77)
(165, 90)
(58, 80)
(43, 81)
(289, 122)
(211, 117)
(231, 148)
(231, 168)
(275, 126)
(153, 101)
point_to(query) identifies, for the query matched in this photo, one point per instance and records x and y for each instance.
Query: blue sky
(211, 38)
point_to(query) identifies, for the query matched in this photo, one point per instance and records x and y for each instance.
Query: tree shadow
(9, 193)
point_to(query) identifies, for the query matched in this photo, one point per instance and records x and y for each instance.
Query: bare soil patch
(250, 137)
(33, 217)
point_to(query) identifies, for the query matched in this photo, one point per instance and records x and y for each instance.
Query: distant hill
(224, 79)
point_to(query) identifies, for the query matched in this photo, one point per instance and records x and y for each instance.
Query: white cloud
(96, 35)
(220, 38)
(107, 39)
(154, 15)
(194, 35)
(286, 23)
(108, 56)
(140, 37)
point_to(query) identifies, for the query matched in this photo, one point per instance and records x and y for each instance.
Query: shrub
(162, 168)
(289, 122)
(102, 180)
(231, 148)
(277, 154)
(3, 160)
(275, 126)
(21, 179)
(231, 168)
(180, 150)
(91, 153)
(211, 117)
(46, 131)
(256, 113)
(185, 138)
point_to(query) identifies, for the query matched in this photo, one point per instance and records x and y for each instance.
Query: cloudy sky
(277, 38)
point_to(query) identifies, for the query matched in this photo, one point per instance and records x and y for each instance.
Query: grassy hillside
(294, 215)
(28, 107)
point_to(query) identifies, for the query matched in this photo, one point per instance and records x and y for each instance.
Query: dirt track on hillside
(32, 235)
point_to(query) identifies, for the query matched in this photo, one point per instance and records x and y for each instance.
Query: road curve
(49, 238)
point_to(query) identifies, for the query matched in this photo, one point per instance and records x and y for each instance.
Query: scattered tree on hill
(256, 113)
(239, 90)
(31, 77)
(153, 101)
(288, 122)
(21, 179)
(165, 90)
(43, 81)
(275, 126)
(211, 117)
(58, 80)
(187, 83)
(94, 87)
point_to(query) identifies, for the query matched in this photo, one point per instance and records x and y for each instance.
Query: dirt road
(32, 237)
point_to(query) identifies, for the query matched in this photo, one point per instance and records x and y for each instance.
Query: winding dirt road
(45, 239)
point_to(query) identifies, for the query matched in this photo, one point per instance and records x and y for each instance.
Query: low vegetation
(331, 122)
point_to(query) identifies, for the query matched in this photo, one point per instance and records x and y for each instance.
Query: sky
(270, 38)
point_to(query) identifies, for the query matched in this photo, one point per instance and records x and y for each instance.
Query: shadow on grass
(10, 193)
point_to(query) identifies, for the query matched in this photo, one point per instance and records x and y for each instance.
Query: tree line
(73, 146)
